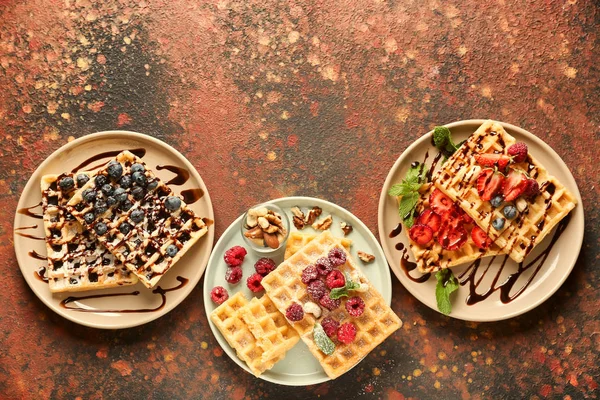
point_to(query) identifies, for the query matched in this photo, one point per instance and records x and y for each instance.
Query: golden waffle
(270, 328)
(143, 249)
(76, 260)
(434, 257)
(228, 319)
(458, 180)
(297, 240)
(378, 321)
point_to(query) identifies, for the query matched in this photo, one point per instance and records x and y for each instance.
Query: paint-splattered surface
(271, 99)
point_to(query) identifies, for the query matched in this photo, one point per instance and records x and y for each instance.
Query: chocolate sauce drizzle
(190, 196)
(140, 152)
(181, 174)
(40, 274)
(27, 211)
(408, 266)
(159, 290)
(36, 255)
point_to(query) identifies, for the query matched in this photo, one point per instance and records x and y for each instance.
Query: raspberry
(518, 151)
(294, 312)
(330, 326)
(532, 188)
(219, 294)
(355, 306)
(335, 279)
(253, 283)
(235, 256)
(346, 333)
(337, 257)
(233, 274)
(309, 274)
(316, 290)
(264, 265)
(329, 303)
(324, 266)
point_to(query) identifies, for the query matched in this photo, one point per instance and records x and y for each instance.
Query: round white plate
(299, 367)
(550, 276)
(136, 308)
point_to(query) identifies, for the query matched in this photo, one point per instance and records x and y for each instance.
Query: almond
(271, 240)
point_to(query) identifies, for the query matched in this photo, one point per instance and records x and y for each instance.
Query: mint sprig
(322, 340)
(336, 293)
(442, 138)
(446, 285)
(409, 190)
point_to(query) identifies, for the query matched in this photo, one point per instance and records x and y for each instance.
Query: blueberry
(137, 193)
(89, 217)
(115, 169)
(101, 228)
(152, 185)
(172, 250)
(82, 179)
(139, 178)
(496, 201)
(126, 205)
(172, 203)
(137, 216)
(125, 181)
(89, 195)
(498, 223)
(107, 189)
(100, 207)
(509, 211)
(137, 167)
(120, 195)
(125, 228)
(101, 180)
(66, 183)
(111, 201)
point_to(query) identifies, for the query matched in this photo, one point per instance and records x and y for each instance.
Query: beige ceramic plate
(135, 309)
(536, 287)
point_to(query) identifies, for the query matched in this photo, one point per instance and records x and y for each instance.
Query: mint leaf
(401, 189)
(336, 293)
(350, 284)
(408, 189)
(441, 137)
(407, 204)
(322, 340)
(446, 285)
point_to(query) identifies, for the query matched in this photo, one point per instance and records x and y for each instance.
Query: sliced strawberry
(422, 234)
(492, 160)
(466, 218)
(431, 219)
(452, 237)
(439, 202)
(482, 180)
(480, 238)
(514, 185)
(493, 186)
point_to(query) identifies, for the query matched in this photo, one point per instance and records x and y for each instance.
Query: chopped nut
(346, 228)
(324, 223)
(312, 308)
(263, 222)
(251, 220)
(521, 204)
(274, 220)
(254, 233)
(271, 240)
(366, 257)
(297, 212)
(265, 227)
(312, 215)
(298, 222)
(258, 212)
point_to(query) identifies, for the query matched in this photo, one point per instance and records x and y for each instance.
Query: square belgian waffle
(297, 240)
(458, 180)
(433, 257)
(378, 321)
(137, 217)
(259, 334)
(76, 260)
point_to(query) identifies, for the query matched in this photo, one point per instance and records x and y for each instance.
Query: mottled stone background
(318, 98)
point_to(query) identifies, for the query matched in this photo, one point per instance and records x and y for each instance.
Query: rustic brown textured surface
(298, 98)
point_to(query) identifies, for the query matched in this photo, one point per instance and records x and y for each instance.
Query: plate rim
(233, 225)
(427, 136)
(102, 135)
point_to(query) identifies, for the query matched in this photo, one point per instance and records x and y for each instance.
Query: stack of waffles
(114, 226)
(259, 333)
(285, 287)
(76, 260)
(458, 180)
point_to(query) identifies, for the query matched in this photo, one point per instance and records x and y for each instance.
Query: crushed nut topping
(323, 223)
(312, 215)
(346, 228)
(366, 257)
(298, 218)
(264, 227)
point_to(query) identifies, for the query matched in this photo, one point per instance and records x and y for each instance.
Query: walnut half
(366, 257)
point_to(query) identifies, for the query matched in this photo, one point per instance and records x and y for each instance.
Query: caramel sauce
(160, 291)
(140, 152)
(181, 174)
